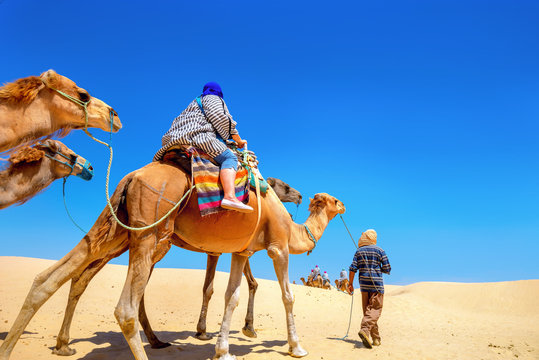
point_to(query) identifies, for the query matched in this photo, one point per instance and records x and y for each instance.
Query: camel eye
(84, 96)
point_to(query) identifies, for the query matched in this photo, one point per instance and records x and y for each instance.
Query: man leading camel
(371, 261)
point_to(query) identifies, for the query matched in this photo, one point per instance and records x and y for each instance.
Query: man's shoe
(238, 206)
(376, 342)
(365, 339)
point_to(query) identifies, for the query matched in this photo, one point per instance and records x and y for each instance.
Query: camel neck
(300, 241)
(20, 185)
(20, 123)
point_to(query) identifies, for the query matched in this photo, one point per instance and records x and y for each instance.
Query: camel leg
(232, 297)
(280, 263)
(248, 329)
(141, 260)
(44, 286)
(207, 292)
(155, 343)
(78, 286)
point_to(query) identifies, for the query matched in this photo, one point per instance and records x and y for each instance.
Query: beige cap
(368, 237)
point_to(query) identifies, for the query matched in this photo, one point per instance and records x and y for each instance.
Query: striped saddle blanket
(209, 188)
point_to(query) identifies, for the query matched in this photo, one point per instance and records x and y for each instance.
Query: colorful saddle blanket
(209, 189)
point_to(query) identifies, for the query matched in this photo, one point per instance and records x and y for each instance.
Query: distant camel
(309, 282)
(30, 108)
(78, 285)
(137, 203)
(342, 285)
(32, 169)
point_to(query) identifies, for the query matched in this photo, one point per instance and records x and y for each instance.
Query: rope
(349, 320)
(84, 105)
(65, 206)
(352, 295)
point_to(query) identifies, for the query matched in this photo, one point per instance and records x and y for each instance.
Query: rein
(84, 105)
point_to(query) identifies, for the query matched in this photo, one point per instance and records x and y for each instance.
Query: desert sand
(419, 321)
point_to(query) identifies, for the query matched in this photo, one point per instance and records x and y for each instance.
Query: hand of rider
(351, 289)
(241, 143)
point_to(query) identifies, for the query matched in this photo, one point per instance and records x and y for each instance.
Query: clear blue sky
(421, 116)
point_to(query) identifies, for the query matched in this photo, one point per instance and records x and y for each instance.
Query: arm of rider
(237, 138)
(351, 282)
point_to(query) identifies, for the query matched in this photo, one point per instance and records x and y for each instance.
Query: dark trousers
(372, 309)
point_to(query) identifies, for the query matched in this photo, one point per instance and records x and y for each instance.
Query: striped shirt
(370, 262)
(191, 127)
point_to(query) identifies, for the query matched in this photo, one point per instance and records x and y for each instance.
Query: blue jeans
(227, 160)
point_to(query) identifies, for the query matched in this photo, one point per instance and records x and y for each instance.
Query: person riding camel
(206, 124)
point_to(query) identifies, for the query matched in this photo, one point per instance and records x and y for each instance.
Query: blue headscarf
(212, 88)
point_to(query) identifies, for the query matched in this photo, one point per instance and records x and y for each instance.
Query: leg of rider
(229, 165)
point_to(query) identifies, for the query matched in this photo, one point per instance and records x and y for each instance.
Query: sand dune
(419, 321)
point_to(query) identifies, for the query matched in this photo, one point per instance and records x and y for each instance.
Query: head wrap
(212, 88)
(368, 237)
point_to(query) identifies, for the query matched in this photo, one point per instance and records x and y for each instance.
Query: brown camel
(30, 108)
(147, 194)
(32, 169)
(342, 285)
(309, 282)
(283, 191)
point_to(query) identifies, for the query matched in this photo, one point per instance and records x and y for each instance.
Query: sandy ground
(419, 321)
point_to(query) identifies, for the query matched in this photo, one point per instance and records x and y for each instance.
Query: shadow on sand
(3, 335)
(189, 348)
(357, 344)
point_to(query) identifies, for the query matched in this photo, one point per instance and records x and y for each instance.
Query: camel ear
(50, 78)
(49, 144)
(271, 181)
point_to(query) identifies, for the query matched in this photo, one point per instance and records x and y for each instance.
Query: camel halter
(84, 105)
(312, 238)
(85, 174)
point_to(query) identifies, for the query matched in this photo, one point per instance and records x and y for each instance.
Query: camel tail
(106, 228)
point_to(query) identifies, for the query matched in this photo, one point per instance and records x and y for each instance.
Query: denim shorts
(227, 160)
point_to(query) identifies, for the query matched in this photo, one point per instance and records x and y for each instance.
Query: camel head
(325, 202)
(285, 192)
(71, 114)
(65, 161)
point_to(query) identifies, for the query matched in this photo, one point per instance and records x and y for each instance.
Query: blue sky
(421, 116)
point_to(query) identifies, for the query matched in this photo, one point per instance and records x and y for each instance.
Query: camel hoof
(249, 332)
(203, 336)
(160, 345)
(297, 352)
(64, 351)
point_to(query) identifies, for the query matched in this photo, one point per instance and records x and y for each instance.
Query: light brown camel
(309, 282)
(342, 285)
(317, 282)
(147, 194)
(31, 109)
(326, 284)
(283, 191)
(31, 169)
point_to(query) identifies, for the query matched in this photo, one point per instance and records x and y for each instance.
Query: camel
(30, 109)
(342, 285)
(309, 282)
(32, 169)
(326, 285)
(284, 192)
(148, 193)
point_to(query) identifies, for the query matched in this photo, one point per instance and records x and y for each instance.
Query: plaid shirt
(370, 262)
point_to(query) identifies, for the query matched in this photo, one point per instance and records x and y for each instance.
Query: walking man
(370, 261)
